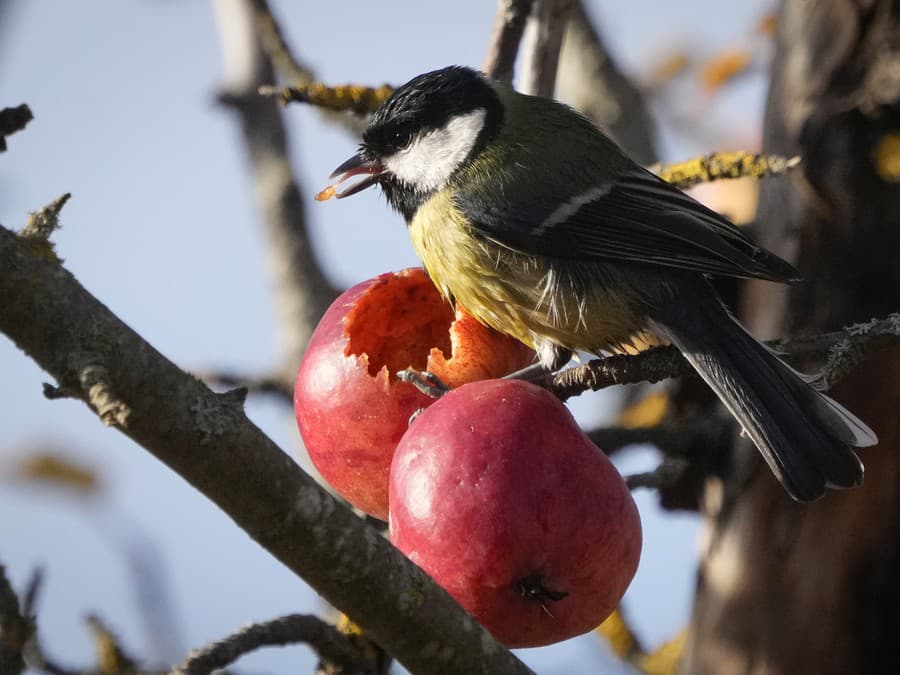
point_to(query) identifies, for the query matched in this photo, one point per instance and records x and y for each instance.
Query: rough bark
(302, 291)
(207, 439)
(784, 587)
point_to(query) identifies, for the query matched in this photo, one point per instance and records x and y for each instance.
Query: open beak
(356, 166)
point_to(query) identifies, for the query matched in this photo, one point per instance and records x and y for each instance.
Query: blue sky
(162, 227)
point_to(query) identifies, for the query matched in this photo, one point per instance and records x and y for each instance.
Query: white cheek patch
(433, 156)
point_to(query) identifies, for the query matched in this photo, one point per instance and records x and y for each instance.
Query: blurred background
(163, 227)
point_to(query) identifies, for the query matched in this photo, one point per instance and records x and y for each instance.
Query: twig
(723, 165)
(274, 385)
(331, 645)
(303, 292)
(589, 79)
(503, 47)
(276, 46)
(666, 474)
(15, 629)
(111, 657)
(675, 438)
(45, 221)
(549, 19)
(357, 99)
(842, 349)
(13, 120)
(209, 441)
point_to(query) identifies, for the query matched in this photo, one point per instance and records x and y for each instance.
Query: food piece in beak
(354, 166)
(326, 194)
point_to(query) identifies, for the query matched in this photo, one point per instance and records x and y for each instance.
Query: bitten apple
(500, 497)
(351, 409)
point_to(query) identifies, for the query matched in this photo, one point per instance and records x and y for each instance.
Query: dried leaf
(52, 469)
(722, 69)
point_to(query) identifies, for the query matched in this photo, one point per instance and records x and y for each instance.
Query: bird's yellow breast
(532, 298)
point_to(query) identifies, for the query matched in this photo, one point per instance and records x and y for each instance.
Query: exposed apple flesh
(350, 407)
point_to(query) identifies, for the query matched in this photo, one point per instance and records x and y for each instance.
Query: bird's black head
(425, 131)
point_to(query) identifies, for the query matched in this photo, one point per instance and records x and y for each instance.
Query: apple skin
(500, 497)
(351, 409)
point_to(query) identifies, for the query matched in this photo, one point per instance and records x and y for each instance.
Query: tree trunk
(785, 587)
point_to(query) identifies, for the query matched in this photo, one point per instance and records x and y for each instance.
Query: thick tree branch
(331, 645)
(207, 439)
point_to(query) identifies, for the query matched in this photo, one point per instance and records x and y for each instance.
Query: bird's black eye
(402, 137)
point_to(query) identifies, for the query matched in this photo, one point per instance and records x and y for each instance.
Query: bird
(526, 214)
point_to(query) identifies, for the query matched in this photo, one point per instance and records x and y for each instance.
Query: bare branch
(15, 629)
(676, 438)
(503, 46)
(548, 18)
(45, 221)
(276, 46)
(13, 120)
(266, 384)
(331, 645)
(666, 474)
(357, 99)
(843, 349)
(589, 79)
(207, 439)
(303, 292)
(111, 657)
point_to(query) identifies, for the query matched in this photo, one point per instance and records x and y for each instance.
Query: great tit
(527, 215)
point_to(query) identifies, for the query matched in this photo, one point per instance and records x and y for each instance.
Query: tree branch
(207, 439)
(267, 384)
(843, 351)
(503, 47)
(276, 46)
(589, 79)
(15, 629)
(303, 292)
(331, 645)
(13, 120)
(548, 18)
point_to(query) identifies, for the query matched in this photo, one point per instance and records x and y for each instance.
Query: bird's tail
(804, 436)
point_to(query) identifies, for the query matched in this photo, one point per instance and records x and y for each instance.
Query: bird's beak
(355, 166)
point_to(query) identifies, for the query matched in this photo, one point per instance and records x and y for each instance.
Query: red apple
(500, 497)
(351, 409)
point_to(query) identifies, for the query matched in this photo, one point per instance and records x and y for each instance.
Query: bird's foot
(428, 383)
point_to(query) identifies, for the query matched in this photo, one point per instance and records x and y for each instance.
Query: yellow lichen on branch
(619, 636)
(625, 645)
(721, 165)
(664, 659)
(357, 99)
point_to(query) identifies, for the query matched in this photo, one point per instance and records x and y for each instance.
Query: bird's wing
(636, 218)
